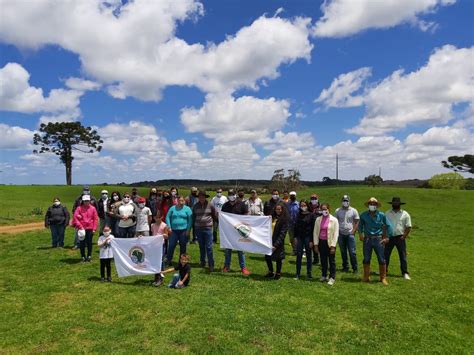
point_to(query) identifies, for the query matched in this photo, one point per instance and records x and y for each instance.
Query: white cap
(104, 192)
(86, 197)
(292, 193)
(81, 234)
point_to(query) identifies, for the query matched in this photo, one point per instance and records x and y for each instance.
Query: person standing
(105, 253)
(254, 204)
(102, 209)
(241, 195)
(85, 191)
(315, 209)
(270, 204)
(204, 215)
(191, 200)
(235, 206)
(174, 196)
(326, 233)
(153, 202)
(126, 212)
(293, 210)
(217, 201)
(165, 205)
(135, 196)
(348, 218)
(373, 231)
(280, 228)
(304, 227)
(86, 218)
(144, 217)
(114, 203)
(57, 219)
(401, 224)
(285, 197)
(179, 220)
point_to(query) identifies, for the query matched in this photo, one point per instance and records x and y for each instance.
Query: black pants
(105, 265)
(401, 246)
(301, 245)
(215, 228)
(279, 264)
(326, 256)
(86, 242)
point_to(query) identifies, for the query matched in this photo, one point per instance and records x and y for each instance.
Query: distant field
(53, 303)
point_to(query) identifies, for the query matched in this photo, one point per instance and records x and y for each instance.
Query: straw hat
(372, 200)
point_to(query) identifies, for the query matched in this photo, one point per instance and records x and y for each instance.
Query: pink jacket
(86, 217)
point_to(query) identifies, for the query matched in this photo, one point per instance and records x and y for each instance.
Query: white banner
(137, 256)
(246, 233)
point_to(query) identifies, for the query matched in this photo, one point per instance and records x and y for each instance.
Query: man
(254, 204)
(373, 231)
(153, 202)
(204, 216)
(293, 210)
(191, 200)
(269, 207)
(285, 198)
(235, 206)
(85, 191)
(217, 201)
(241, 194)
(401, 223)
(135, 196)
(348, 218)
(102, 209)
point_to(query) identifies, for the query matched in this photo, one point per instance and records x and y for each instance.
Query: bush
(449, 181)
(469, 184)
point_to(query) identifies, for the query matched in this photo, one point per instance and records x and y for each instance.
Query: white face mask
(173, 193)
(275, 197)
(304, 209)
(141, 205)
(57, 203)
(104, 197)
(325, 212)
(126, 199)
(314, 202)
(115, 198)
(106, 234)
(345, 204)
(232, 198)
(372, 208)
(219, 194)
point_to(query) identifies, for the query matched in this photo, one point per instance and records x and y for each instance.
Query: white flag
(137, 256)
(246, 233)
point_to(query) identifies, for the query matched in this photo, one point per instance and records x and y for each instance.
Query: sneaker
(75, 247)
(297, 277)
(83, 260)
(158, 283)
(323, 279)
(225, 269)
(277, 277)
(245, 271)
(89, 259)
(109, 279)
(406, 277)
(309, 276)
(331, 281)
(270, 275)
(102, 279)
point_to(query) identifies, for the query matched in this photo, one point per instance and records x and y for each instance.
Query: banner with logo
(137, 256)
(246, 233)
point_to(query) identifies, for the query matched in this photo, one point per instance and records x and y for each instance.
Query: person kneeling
(182, 278)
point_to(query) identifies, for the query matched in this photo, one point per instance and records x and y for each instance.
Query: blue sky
(237, 89)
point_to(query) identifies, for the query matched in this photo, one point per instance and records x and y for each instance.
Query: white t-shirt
(105, 251)
(218, 202)
(126, 210)
(142, 219)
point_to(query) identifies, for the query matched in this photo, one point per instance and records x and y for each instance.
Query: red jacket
(85, 217)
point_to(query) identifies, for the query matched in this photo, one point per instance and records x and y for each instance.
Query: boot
(383, 274)
(366, 277)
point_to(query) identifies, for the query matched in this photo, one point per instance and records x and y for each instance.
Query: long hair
(284, 217)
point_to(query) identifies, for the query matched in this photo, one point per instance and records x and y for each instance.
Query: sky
(237, 89)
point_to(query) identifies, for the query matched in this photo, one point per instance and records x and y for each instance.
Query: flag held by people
(137, 256)
(246, 233)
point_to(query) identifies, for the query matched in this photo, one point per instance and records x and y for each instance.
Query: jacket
(56, 215)
(238, 207)
(278, 240)
(304, 225)
(333, 231)
(86, 217)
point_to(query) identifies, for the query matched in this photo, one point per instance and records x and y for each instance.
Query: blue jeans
(348, 243)
(228, 258)
(303, 243)
(128, 232)
(375, 244)
(175, 237)
(204, 237)
(57, 234)
(174, 282)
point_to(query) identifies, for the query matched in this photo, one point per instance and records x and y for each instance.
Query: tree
(61, 138)
(451, 181)
(373, 180)
(282, 182)
(327, 180)
(462, 164)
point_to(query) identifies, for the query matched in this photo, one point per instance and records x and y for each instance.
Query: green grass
(53, 303)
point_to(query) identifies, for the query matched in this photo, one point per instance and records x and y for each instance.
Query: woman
(326, 233)
(165, 205)
(179, 219)
(56, 219)
(174, 196)
(86, 218)
(315, 209)
(113, 204)
(153, 202)
(280, 228)
(126, 212)
(304, 238)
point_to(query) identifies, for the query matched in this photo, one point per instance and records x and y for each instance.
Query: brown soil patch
(19, 228)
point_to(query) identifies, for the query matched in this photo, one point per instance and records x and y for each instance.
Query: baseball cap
(292, 193)
(345, 198)
(86, 198)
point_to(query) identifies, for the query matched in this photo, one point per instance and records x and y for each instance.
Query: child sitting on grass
(106, 254)
(181, 279)
(160, 228)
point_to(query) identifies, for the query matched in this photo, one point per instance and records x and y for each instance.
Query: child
(159, 228)
(106, 254)
(181, 279)
(143, 219)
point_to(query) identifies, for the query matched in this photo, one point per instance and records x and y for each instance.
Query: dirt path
(19, 228)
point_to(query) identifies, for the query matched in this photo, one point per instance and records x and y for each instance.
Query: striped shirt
(203, 215)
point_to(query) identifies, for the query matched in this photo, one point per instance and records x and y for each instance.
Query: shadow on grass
(45, 248)
(71, 261)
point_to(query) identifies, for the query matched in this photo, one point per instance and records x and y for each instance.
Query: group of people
(313, 231)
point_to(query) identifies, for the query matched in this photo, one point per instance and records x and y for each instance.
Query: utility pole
(337, 168)
(380, 171)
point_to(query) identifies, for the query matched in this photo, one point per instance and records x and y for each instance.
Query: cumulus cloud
(347, 17)
(14, 137)
(80, 84)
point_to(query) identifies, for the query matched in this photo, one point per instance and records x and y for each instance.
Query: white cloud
(14, 137)
(340, 93)
(134, 51)
(291, 140)
(80, 84)
(347, 17)
(226, 119)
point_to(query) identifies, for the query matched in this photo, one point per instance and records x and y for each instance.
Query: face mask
(314, 202)
(173, 193)
(219, 194)
(115, 198)
(372, 208)
(232, 198)
(304, 209)
(275, 197)
(126, 199)
(106, 234)
(104, 197)
(153, 192)
(141, 205)
(396, 207)
(345, 204)
(325, 212)
(57, 203)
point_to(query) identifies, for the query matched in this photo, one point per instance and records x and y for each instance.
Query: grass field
(50, 302)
